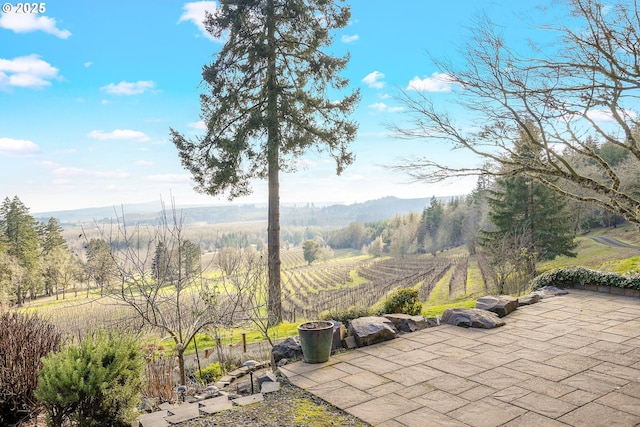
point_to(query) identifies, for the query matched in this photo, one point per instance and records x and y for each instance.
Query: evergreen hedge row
(569, 277)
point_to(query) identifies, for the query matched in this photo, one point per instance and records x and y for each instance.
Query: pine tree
(272, 97)
(520, 205)
(22, 243)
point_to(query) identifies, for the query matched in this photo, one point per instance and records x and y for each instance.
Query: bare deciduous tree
(571, 98)
(511, 258)
(180, 303)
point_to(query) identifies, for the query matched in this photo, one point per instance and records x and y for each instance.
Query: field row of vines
(308, 290)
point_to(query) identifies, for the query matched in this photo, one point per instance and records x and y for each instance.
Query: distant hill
(290, 214)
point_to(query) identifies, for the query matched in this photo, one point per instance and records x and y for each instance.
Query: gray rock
(287, 349)
(371, 330)
(339, 332)
(148, 404)
(406, 322)
(269, 387)
(471, 318)
(349, 342)
(550, 291)
(282, 362)
(266, 377)
(501, 305)
(528, 299)
(432, 322)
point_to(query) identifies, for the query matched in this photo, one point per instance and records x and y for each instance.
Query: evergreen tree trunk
(274, 307)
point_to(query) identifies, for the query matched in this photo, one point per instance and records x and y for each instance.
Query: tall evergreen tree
(20, 229)
(100, 263)
(429, 226)
(271, 98)
(520, 205)
(51, 236)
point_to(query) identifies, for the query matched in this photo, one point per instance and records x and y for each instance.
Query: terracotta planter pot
(316, 339)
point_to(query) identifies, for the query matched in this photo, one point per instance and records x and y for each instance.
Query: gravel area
(288, 407)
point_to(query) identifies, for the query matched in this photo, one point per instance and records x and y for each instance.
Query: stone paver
(249, 400)
(596, 415)
(183, 413)
(217, 404)
(569, 360)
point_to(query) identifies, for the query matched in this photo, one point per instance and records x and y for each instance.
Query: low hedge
(569, 277)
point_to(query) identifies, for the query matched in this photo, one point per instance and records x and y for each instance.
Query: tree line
(34, 257)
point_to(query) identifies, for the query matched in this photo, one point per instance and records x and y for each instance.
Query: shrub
(97, 383)
(210, 374)
(404, 300)
(24, 341)
(345, 316)
(568, 277)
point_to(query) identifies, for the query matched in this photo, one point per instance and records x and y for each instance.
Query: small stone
(248, 400)
(269, 387)
(339, 332)
(266, 377)
(350, 342)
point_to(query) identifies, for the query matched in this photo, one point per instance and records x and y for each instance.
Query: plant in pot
(316, 339)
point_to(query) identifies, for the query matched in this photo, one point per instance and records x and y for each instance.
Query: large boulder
(406, 322)
(529, 299)
(372, 330)
(287, 349)
(501, 305)
(471, 318)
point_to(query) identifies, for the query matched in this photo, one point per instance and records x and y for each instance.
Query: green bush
(404, 300)
(95, 384)
(210, 374)
(24, 341)
(345, 316)
(568, 277)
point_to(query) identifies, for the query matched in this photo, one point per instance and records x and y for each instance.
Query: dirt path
(609, 241)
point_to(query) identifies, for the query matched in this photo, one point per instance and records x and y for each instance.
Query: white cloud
(195, 12)
(349, 39)
(143, 163)
(88, 64)
(29, 22)
(437, 82)
(129, 88)
(378, 106)
(170, 178)
(49, 164)
(119, 134)
(18, 147)
(381, 107)
(198, 125)
(26, 71)
(606, 116)
(75, 172)
(104, 102)
(118, 174)
(374, 80)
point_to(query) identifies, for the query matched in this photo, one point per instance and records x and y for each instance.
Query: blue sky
(89, 89)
